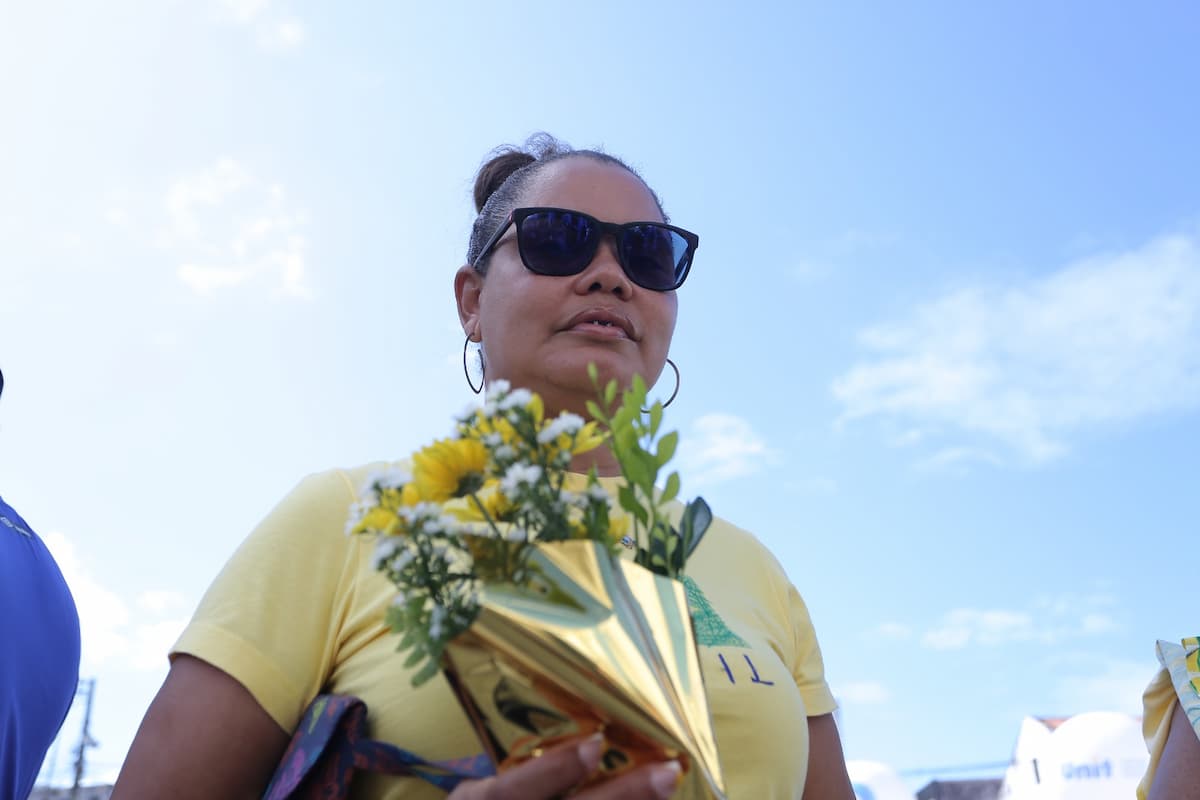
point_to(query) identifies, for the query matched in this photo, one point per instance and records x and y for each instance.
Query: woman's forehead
(604, 190)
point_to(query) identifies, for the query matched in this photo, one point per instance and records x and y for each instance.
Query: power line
(85, 737)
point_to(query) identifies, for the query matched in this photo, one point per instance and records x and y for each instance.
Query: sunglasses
(561, 242)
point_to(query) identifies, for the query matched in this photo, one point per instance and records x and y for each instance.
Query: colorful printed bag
(1182, 663)
(330, 745)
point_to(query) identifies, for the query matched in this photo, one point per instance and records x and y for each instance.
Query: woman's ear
(468, 287)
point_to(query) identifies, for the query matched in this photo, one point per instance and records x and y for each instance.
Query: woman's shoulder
(343, 482)
(732, 547)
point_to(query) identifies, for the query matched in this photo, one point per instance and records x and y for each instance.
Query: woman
(1171, 724)
(544, 293)
(39, 661)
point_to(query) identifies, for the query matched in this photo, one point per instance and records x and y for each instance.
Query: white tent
(875, 781)
(1093, 756)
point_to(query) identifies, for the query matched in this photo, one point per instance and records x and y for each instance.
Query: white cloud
(964, 626)
(230, 229)
(110, 634)
(160, 600)
(1100, 684)
(1103, 340)
(816, 484)
(720, 447)
(103, 616)
(274, 29)
(1098, 623)
(289, 33)
(890, 630)
(862, 693)
(152, 641)
(245, 11)
(956, 459)
(1048, 620)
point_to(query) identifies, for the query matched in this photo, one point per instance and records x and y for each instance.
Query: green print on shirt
(711, 630)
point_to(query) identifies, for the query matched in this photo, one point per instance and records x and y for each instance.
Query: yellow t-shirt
(298, 611)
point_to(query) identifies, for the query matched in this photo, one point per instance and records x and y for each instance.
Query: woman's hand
(563, 768)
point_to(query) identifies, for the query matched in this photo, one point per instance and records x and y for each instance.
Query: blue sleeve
(39, 652)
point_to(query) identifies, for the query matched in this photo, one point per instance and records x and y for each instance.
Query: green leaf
(594, 411)
(594, 374)
(610, 393)
(656, 412)
(666, 447)
(408, 639)
(671, 490)
(697, 516)
(426, 672)
(416, 655)
(629, 502)
(636, 469)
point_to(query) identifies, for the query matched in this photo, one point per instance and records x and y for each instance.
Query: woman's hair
(507, 173)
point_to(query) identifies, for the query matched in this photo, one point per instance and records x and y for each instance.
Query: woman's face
(537, 331)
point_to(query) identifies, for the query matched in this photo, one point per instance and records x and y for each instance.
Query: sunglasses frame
(615, 229)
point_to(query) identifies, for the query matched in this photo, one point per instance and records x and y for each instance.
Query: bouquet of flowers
(510, 581)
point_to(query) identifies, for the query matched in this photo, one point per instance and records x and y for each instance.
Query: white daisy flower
(436, 618)
(467, 414)
(393, 477)
(384, 550)
(519, 475)
(517, 398)
(566, 422)
(357, 512)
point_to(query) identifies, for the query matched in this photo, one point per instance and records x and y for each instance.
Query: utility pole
(85, 737)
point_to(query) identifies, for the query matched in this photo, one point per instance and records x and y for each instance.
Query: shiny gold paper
(592, 643)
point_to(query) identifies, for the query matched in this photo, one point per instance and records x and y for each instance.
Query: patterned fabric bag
(330, 746)
(1182, 663)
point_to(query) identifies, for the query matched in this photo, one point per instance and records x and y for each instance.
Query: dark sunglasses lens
(655, 256)
(557, 242)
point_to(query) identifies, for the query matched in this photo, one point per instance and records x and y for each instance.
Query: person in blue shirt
(39, 651)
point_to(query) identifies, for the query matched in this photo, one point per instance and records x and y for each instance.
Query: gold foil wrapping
(592, 643)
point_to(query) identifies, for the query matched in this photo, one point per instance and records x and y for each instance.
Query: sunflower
(449, 468)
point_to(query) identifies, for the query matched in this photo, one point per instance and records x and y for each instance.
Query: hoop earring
(670, 399)
(467, 372)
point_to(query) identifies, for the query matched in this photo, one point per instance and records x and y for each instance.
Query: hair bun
(492, 175)
(507, 159)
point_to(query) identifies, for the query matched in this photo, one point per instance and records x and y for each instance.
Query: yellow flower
(395, 499)
(618, 525)
(449, 468)
(497, 506)
(378, 520)
(536, 408)
(589, 438)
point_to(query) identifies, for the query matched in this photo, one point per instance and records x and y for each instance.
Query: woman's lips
(598, 330)
(605, 323)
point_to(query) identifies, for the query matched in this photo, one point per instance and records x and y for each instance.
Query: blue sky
(940, 348)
